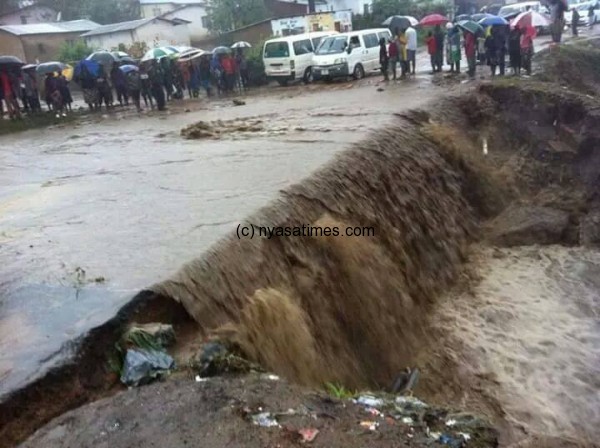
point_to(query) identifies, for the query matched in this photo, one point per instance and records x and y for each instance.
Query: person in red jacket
(470, 52)
(431, 49)
(229, 71)
(393, 56)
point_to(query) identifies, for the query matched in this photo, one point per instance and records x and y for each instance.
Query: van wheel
(308, 76)
(359, 72)
(282, 82)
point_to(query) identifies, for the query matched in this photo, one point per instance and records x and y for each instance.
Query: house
(256, 33)
(156, 8)
(356, 6)
(41, 42)
(153, 31)
(29, 14)
(195, 15)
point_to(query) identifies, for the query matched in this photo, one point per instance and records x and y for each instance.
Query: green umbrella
(157, 53)
(470, 26)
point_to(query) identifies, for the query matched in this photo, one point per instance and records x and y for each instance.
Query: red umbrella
(433, 19)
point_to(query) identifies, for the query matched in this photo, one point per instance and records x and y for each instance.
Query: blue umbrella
(92, 66)
(128, 68)
(493, 20)
(479, 16)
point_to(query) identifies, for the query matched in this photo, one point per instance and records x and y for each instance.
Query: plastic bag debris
(408, 421)
(450, 422)
(371, 426)
(308, 434)
(374, 411)
(465, 436)
(369, 400)
(142, 366)
(154, 336)
(273, 377)
(199, 379)
(265, 419)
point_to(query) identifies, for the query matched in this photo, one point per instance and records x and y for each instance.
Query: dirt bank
(357, 311)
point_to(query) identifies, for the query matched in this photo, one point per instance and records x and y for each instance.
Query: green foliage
(136, 50)
(227, 15)
(70, 52)
(256, 67)
(339, 391)
(382, 9)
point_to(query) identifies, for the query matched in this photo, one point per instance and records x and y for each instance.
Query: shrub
(69, 52)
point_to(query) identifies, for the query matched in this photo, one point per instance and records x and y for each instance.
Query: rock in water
(239, 103)
(525, 225)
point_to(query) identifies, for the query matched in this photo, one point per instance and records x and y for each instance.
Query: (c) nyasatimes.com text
(247, 230)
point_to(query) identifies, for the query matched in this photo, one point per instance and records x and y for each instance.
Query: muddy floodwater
(92, 212)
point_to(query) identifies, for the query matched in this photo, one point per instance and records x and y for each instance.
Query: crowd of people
(153, 82)
(20, 92)
(158, 81)
(490, 47)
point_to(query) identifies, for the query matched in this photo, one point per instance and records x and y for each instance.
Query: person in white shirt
(411, 47)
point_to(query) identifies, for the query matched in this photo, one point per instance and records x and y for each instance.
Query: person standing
(53, 96)
(575, 21)
(32, 95)
(167, 75)
(402, 53)
(383, 59)
(411, 48)
(514, 50)
(491, 51)
(431, 49)
(242, 64)
(104, 90)
(10, 98)
(205, 74)
(439, 47)
(146, 86)
(393, 56)
(527, 36)
(499, 35)
(157, 84)
(591, 15)
(454, 42)
(65, 92)
(134, 88)
(470, 53)
(119, 82)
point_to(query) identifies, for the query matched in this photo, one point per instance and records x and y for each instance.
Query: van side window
(371, 40)
(303, 47)
(384, 34)
(316, 41)
(355, 42)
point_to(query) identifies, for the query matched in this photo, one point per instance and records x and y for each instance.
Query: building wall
(279, 8)
(34, 14)
(45, 47)
(197, 16)
(11, 45)
(147, 11)
(324, 21)
(155, 34)
(254, 34)
(160, 33)
(356, 6)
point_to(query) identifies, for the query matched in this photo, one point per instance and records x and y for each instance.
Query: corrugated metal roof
(74, 26)
(122, 26)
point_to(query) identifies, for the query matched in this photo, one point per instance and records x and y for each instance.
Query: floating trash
(265, 420)
(308, 434)
(369, 400)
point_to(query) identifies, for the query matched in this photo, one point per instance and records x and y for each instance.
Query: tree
(71, 52)
(227, 15)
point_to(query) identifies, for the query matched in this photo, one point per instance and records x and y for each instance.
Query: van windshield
(332, 45)
(279, 49)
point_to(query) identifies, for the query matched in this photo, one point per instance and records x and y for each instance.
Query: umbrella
(480, 16)
(470, 26)
(511, 15)
(157, 53)
(92, 66)
(191, 54)
(103, 57)
(530, 18)
(241, 44)
(128, 68)
(493, 20)
(400, 22)
(50, 67)
(68, 72)
(120, 54)
(221, 50)
(10, 62)
(433, 19)
(29, 67)
(462, 17)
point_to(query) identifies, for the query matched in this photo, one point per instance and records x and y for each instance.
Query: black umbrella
(400, 22)
(10, 62)
(221, 50)
(463, 17)
(50, 67)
